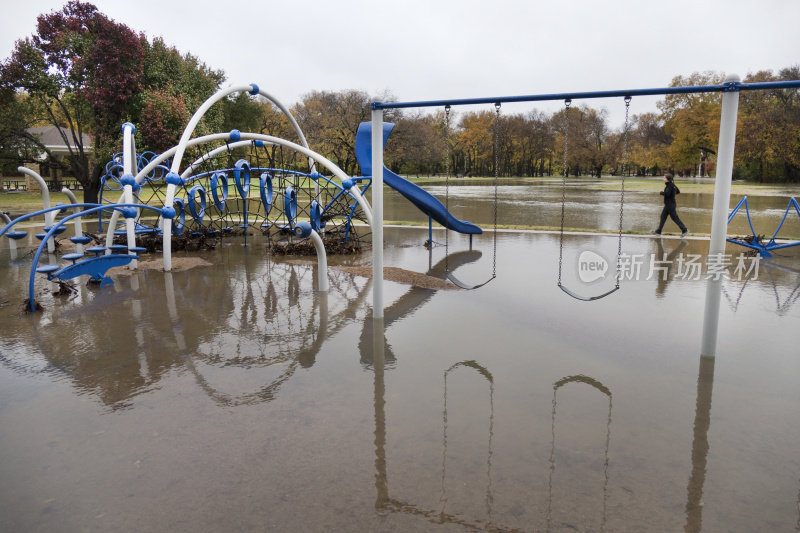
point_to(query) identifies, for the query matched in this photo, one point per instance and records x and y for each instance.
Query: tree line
(681, 138)
(87, 73)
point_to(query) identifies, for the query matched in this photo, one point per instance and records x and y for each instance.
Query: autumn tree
(417, 145)
(648, 145)
(83, 70)
(17, 114)
(173, 86)
(768, 133)
(691, 120)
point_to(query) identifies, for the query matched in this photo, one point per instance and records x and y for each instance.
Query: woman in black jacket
(670, 206)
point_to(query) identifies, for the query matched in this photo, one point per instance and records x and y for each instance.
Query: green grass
(19, 203)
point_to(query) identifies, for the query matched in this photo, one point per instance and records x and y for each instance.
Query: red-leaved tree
(84, 70)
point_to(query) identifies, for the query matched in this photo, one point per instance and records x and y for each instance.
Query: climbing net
(242, 187)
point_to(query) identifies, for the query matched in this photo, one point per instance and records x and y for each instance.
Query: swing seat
(457, 282)
(587, 298)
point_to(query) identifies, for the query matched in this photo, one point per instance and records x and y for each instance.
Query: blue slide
(425, 201)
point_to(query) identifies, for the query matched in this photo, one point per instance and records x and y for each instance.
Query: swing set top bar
(722, 87)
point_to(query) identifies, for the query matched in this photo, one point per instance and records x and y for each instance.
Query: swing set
(732, 84)
(495, 135)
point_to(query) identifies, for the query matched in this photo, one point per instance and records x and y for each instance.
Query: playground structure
(154, 199)
(144, 200)
(161, 188)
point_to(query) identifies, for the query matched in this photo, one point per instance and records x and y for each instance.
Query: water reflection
(272, 333)
(486, 375)
(241, 329)
(663, 280)
(460, 408)
(384, 501)
(702, 423)
(604, 390)
(778, 278)
(407, 304)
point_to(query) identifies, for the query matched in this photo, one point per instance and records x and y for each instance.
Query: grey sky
(429, 49)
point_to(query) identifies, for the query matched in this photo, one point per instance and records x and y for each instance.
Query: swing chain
(622, 185)
(567, 103)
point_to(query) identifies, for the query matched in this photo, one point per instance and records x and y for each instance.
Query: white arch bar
(48, 217)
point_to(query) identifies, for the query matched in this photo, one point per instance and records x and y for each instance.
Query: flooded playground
(235, 397)
(594, 204)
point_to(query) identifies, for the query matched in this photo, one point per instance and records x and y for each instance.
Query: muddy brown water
(592, 204)
(234, 397)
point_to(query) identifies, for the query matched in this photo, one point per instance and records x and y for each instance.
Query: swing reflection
(604, 390)
(385, 502)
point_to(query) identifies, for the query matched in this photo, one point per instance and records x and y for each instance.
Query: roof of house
(50, 137)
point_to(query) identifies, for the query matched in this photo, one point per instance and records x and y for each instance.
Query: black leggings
(670, 211)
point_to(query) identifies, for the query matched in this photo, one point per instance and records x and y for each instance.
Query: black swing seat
(587, 298)
(457, 282)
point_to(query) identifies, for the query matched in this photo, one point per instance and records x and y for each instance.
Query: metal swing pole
(377, 214)
(719, 216)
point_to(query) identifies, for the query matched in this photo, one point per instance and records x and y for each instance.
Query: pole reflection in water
(702, 422)
(411, 301)
(603, 389)
(384, 502)
(379, 400)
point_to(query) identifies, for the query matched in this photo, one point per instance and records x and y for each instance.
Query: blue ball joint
(302, 229)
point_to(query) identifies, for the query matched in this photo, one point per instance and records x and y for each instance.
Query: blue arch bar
(723, 87)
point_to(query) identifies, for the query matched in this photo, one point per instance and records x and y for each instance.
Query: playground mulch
(179, 264)
(401, 275)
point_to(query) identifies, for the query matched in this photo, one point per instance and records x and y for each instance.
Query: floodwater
(234, 397)
(587, 206)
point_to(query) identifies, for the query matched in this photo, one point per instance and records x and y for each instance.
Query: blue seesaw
(757, 243)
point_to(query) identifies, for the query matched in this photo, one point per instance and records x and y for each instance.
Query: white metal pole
(377, 213)
(322, 261)
(719, 216)
(49, 218)
(78, 224)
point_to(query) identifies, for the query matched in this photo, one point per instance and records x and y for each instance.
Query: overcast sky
(441, 49)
